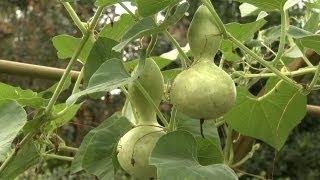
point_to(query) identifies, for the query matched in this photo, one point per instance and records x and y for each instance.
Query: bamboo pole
(32, 70)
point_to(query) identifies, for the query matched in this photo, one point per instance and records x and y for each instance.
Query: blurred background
(26, 30)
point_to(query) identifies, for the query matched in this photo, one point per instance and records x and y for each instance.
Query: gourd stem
(314, 81)
(228, 144)
(247, 157)
(283, 35)
(149, 99)
(184, 58)
(172, 123)
(74, 17)
(267, 75)
(270, 92)
(154, 39)
(54, 156)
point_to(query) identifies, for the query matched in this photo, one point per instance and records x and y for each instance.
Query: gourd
(204, 91)
(135, 147)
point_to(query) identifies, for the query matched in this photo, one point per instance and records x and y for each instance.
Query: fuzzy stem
(247, 157)
(184, 58)
(154, 39)
(54, 156)
(172, 123)
(74, 17)
(283, 35)
(149, 99)
(228, 146)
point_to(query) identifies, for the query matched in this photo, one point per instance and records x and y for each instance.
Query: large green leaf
(66, 45)
(175, 158)
(312, 42)
(12, 119)
(147, 26)
(27, 156)
(100, 52)
(101, 150)
(269, 119)
(110, 75)
(118, 28)
(150, 7)
(23, 97)
(209, 148)
(96, 152)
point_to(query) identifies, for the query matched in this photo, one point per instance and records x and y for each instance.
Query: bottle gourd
(203, 91)
(135, 147)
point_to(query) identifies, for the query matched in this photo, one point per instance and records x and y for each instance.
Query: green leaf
(28, 156)
(150, 7)
(312, 25)
(247, 9)
(98, 158)
(267, 5)
(107, 2)
(12, 118)
(312, 42)
(96, 152)
(23, 97)
(66, 45)
(208, 148)
(100, 53)
(65, 118)
(175, 158)
(272, 34)
(269, 119)
(169, 75)
(118, 28)
(110, 75)
(147, 26)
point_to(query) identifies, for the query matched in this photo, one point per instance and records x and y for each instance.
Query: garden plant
(212, 104)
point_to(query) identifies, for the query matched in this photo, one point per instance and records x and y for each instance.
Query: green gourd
(135, 147)
(152, 81)
(203, 35)
(204, 91)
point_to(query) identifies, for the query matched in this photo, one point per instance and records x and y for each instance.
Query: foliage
(251, 53)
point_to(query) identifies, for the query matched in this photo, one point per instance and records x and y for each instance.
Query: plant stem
(149, 99)
(78, 81)
(267, 75)
(54, 156)
(283, 35)
(154, 39)
(228, 145)
(184, 58)
(314, 80)
(172, 122)
(266, 63)
(74, 17)
(128, 11)
(247, 157)
(72, 60)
